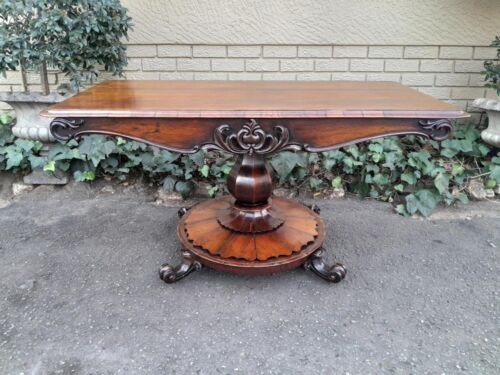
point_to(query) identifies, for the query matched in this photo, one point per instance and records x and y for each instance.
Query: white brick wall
(172, 51)
(332, 65)
(158, 64)
(447, 72)
(228, 65)
(244, 51)
(315, 51)
(350, 51)
(367, 65)
(209, 51)
(421, 52)
(385, 52)
(280, 51)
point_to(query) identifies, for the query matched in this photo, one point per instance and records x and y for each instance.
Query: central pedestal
(250, 232)
(281, 249)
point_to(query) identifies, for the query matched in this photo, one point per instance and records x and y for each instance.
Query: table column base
(297, 242)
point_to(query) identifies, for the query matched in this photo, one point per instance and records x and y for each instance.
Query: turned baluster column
(249, 181)
(251, 185)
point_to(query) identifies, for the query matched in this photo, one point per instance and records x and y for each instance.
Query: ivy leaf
(423, 200)
(24, 144)
(336, 182)
(441, 182)
(50, 166)
(376, 148)
(411, 203)
(312, 158)
(399, 187)
(380, 179)
(198, 158)
(5, 118)
(14, 158)
(226, 168)
(84, 176)
(495, 173)
(426, 201)
(483, 149)
(409, 178)
(490, 183)
(462, 197)
(108, 147)
(353, 150)
(212, 190)
(205, 170)
(284, 162)
(372, 168)
(448, 152)
(457, 169)
(168, 183)
(36, 161)
(401, 209)
(314, 182)
(184, 187)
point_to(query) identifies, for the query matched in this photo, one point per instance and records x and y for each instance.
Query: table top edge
(451, 114)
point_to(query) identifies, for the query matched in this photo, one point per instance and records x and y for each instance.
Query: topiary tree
(76, 37)
(492, 69)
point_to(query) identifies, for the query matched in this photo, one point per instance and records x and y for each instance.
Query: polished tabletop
(252, 99)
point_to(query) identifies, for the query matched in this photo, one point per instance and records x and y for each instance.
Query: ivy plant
(413, 174)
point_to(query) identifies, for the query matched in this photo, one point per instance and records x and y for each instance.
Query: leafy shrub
(415, 175)
(76, 37)
(492, 69)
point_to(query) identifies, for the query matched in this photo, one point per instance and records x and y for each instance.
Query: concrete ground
(80, 294)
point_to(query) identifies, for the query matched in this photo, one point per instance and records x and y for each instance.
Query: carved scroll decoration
(439, 130)
(62, 128)
(252, 139)
(316, 263)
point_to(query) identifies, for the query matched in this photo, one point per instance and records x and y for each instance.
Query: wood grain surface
(252, 99)
(188, 135)
(201, 228)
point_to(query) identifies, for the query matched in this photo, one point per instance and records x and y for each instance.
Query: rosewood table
(251, 232)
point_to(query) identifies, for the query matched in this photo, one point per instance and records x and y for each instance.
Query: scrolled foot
(182, 211)
(170, 274)
(314, 208)
(317, 264)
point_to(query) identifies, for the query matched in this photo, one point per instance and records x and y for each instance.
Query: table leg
(334, 273)
(170, 274)
(182, 211)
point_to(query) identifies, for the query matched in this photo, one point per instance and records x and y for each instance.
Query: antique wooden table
(251, 232)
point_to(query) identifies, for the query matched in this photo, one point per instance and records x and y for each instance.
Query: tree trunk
(23, 75)
(44, 79)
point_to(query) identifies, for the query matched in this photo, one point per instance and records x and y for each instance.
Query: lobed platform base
(298, 241)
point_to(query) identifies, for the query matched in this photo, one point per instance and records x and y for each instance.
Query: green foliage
(16, 153)
(98, 155)
(413, 174)
(492, 69)
(76, 37)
